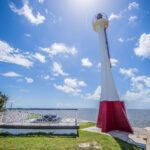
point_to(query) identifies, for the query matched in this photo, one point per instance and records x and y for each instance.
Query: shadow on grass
(126, 146)
(39, 134)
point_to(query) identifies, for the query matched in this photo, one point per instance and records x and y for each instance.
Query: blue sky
(50, 56)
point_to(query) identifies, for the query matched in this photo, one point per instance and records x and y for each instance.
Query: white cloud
(131, 39)
(139, 92)
(39, 57)
(113, 61)
(67, 89)
(132, 19)
(41, 1)
(55, 19)
(11, 74)
(46, 11)
(95, 95)
(85, 62)
(128, 72)
(99, 65)
(26, 11)
(57, 70)
(10, 55)
(29, 80)
(121, 13)
(71, 82)
(82, 83)
(27, 34)
(114, 16)
(59, 48)
(46, 77)
(19, 80)
(140, 88)
(74, 82)
(141, 95)
(137, 79)
(143, 48)
(133, 5)
(121, 40)
(71, 86)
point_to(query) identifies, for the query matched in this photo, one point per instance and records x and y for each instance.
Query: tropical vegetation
(3, 101)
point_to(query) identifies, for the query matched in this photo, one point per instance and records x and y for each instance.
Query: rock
(84, 145)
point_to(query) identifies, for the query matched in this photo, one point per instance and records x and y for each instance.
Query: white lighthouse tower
(112, 113)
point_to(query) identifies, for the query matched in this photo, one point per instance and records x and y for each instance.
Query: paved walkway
(138, 138)
(148, 140)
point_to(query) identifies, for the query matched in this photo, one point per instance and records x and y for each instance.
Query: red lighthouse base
(112, 116)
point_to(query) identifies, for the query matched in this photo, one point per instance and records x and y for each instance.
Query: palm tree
(3, 100)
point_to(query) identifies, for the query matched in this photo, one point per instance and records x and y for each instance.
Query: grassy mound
(85, 140)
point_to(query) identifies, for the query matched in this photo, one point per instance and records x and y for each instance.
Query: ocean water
(137, 117)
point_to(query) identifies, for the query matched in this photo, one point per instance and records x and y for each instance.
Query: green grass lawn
(51, 142)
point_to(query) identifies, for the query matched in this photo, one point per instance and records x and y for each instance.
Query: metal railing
(39, 117)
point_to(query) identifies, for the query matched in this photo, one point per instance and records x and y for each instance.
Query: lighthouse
(112, 113)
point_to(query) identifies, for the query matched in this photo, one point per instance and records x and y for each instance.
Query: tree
(3, 101)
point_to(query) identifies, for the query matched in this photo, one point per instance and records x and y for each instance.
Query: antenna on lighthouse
(112, 113)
